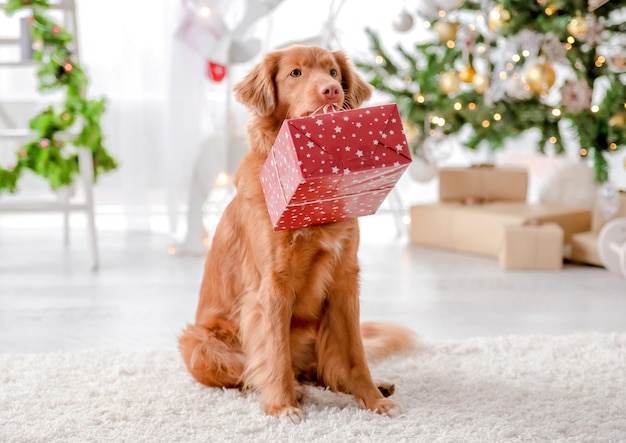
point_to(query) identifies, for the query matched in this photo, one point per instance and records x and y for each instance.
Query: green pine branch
(47, 154)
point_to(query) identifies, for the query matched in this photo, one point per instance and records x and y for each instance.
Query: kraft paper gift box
(585, 244)
(585, 248)
(532, 246)
(479, 228)
(483, 183)
(334, 166)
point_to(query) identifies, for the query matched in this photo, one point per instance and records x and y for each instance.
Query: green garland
(49, 154)
(412, 77)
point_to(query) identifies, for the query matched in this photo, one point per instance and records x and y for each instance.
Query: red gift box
(335, 166)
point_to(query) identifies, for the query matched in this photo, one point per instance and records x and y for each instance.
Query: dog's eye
(333, 73)
(296, 73)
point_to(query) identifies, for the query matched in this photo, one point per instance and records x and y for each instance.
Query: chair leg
(86, 172)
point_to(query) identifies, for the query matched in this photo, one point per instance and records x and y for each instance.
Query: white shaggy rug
(568, 388)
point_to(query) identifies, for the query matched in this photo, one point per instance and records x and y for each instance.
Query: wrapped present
(585, 248)
(531, 246)
(479, 228)
(584, 245)
(334, 166)
(483, 183)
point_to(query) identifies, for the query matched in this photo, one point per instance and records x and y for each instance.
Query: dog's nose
(330, 92)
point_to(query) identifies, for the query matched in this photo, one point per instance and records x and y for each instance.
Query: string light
(205, 11)
(472, 106)
(171, 250)
(552, 139)
(406, 220)
(502, 75)
(525, 52)
(583, 151)
(556, 112)
(516, 58)
(419, 98)
(222, 179)
(458, 106)
(450, 44)
(379, 59)
(427, 24)
(600, 61)
(442, 13)
(571, 40)
(595, 108)
(485, 123)
(613, 146)
(497, 117)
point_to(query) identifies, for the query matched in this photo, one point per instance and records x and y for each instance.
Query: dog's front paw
(384, 406)
(291, 413)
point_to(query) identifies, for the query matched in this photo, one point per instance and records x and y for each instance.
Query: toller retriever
(279, 309)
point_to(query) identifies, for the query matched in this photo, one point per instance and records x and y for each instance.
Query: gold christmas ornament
(446, 31)
(578, 26)
(498, 18)
(618, 120)
(467, 74)
(450, 82)
(540, 77)
(481, 83)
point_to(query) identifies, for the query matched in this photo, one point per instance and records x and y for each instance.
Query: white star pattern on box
(301, 191)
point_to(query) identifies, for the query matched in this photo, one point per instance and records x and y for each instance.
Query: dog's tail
(384, 339)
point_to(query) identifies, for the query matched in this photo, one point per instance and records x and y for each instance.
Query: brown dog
(279, 308)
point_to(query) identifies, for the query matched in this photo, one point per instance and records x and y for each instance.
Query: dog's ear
(258, 90)
(355, 88)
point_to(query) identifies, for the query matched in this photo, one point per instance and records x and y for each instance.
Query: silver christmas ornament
(404, 22)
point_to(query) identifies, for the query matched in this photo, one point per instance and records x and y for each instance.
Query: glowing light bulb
(204, 11)
(222, 179)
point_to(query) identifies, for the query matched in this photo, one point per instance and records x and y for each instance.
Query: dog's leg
(212, 353)
(265, 326)
(341, 357)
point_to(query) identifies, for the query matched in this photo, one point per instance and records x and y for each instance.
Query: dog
(281, 308)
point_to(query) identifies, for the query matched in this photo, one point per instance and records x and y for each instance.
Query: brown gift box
(483, 183)
(585, 248)
(532, 247)
(479, 228)
(585, 244)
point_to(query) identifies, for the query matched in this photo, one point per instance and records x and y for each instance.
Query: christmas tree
(492, 70)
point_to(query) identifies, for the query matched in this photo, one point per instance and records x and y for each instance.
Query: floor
(51, 300)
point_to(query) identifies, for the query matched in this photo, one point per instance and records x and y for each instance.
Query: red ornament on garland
(216, 72)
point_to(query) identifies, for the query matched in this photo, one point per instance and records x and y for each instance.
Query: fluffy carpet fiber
(567, 388)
